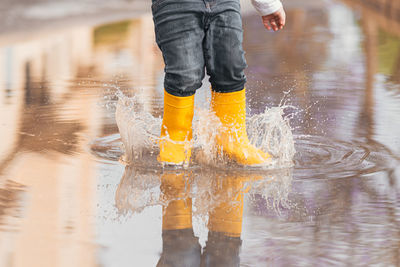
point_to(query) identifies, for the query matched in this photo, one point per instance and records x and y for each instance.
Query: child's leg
(179, 34)
(223, 47)
(225, 64)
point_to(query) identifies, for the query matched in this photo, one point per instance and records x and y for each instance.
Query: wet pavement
(66, 199)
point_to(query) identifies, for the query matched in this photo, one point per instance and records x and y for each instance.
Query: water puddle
(81, 110)
(312, 156)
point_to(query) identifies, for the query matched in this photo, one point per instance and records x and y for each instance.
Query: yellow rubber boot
(178, 213)
(176, 129)
(232, 139)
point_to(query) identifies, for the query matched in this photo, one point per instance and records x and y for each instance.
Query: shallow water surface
(67, 198)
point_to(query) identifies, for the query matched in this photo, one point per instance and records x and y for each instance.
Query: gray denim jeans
(198, 34)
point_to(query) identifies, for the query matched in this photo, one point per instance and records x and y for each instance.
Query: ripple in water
(323, 158)
(316, 156)
(144, 181)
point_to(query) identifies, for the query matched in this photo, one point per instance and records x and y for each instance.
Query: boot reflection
(225, 222)
(226, 216)
(180, 246)
(218, 195)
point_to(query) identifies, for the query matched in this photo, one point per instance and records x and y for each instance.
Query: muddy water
(66, 199)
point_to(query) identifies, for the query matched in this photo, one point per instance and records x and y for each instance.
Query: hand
(275, 21)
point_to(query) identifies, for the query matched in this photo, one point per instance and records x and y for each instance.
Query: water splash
(316, 157)
(206, 189)
(139, 130)
(270, 131)
(204, 137)
(137, 190)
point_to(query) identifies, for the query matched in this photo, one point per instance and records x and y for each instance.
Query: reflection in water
(381, 28)
(215, 198)
(51, 87)
(60, 204)
(180, 246)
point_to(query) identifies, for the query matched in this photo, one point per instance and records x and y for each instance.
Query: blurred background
(61, 62)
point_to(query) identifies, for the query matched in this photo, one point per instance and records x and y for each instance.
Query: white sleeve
(266, 7)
